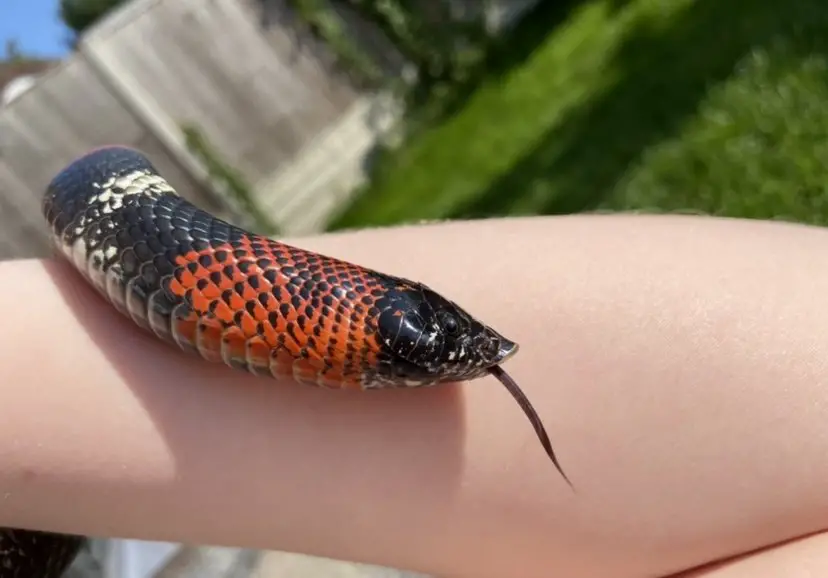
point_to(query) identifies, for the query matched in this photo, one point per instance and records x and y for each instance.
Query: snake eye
(450, 324)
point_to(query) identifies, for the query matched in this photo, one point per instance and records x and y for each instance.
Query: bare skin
(679, 365)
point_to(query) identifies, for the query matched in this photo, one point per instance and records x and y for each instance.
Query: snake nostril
(489, 348)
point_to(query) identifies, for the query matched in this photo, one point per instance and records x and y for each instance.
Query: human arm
(677, 363)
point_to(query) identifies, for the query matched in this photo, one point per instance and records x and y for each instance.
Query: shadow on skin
(315, 434)
(754, 559)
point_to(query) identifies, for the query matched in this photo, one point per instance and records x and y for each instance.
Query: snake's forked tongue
(530, 412)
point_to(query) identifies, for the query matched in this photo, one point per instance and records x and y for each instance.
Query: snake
(234, 297)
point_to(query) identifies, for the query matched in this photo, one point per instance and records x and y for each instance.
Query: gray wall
(265, 93)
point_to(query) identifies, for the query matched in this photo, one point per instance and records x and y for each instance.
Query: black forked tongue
(530, 412)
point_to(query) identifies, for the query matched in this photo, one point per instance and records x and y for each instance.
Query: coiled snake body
(248, 301)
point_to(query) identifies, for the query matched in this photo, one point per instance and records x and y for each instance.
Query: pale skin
(678, 363)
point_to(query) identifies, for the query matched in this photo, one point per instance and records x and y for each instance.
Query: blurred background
(292, 117)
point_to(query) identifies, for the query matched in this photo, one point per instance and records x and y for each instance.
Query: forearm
(678, 365)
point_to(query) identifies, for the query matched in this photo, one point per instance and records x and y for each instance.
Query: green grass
(661, 105)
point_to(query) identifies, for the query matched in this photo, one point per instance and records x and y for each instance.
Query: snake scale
(248, 301)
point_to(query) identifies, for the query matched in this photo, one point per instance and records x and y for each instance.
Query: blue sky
(35, 25)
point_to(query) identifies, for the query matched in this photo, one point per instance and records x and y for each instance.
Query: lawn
(659, 105)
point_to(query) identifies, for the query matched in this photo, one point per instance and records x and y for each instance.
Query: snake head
(426, 339)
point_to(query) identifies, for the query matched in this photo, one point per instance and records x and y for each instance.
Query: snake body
(253, 303)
